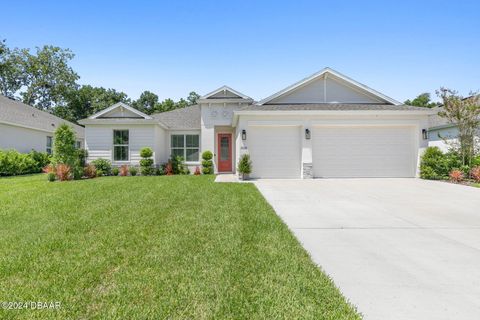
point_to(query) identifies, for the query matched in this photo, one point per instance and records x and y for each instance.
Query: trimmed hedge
(14, 163)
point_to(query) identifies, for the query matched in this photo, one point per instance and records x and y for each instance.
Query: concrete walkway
(396, 248)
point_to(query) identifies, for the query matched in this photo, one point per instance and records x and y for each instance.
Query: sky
(400, 48)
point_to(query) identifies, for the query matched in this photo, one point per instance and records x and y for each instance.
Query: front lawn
(179, 247)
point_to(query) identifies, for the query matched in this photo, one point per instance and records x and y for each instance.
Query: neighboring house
(442, 133)
(25, 128)
(326, 125)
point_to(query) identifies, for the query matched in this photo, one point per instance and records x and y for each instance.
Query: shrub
(475, 173)
(64, 151)
(456, 176)
(146, 162)
(434, 164)
(207, 155)
(90, 171)
(115, 171)
(133, 171)
(77, 173)
(99, 172)
(14, 163)
(160, 171)
(245, 165)
(197, 171)
(178, 165)
(64, 172)
(169, 168)
(124, 170)
(207, 163)
(49, 168)
(146, 152)
(104, 165)
(82, 155)
(40, 159)
(51, 176)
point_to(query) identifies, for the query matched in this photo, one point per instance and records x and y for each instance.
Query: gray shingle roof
(16, 112)
(330, 106)
(184, 118)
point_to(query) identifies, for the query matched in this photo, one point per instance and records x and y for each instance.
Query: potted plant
(244, 167)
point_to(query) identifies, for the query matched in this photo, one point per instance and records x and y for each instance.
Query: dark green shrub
(434, 164)
(146, 171)
(14, 163)
(64, 150)
(51, 176)
(41, 160)
(77, 173)
(133, 171)
(104, 165)
(160, 171)
(82, 155)
(244, 165)
(115, 171)
(146, 162)
(207, 163)
(178, 165)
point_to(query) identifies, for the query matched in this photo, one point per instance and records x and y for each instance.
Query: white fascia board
(120, 121)
(118, 105)
(226, 100)
(320, 74)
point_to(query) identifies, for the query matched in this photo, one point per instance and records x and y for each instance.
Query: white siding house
(326, 125)
(25, 128)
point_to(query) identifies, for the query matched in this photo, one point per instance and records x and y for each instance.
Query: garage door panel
(363, 151)
(275, 151)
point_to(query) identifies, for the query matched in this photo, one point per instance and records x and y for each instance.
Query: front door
(224, 152)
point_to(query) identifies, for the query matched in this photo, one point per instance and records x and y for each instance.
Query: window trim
(120, 145)
(47, 148)
(184, 148)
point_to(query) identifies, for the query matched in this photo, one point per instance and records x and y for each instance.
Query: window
(49, 145)
(120, 145)
(78, 144)
(186, 146)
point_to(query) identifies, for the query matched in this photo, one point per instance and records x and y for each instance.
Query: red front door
(224, 155)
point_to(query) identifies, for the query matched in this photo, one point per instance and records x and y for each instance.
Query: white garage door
(363, 151)
(275, 151)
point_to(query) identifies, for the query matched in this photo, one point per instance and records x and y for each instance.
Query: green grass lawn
(178, 247)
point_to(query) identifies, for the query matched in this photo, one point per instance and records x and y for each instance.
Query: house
(25, 128)
(326, 125)
(442, 133)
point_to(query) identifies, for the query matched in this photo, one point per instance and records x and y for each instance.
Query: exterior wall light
(307, 134)
(244, 134)
(425, 134)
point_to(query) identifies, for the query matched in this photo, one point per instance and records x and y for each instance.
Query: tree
(192, 98)
(465, 113)
(147, 102)
(422, 100)
(12, 75)
(64, 151)
(87, 100)
(49, 78)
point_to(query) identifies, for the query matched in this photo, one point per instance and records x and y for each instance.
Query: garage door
(275, 151)
(363, 151)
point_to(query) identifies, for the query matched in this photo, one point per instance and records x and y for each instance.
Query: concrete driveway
(396, 248)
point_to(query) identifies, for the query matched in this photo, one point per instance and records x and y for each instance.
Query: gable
(224, 92)
(328, 86)
(120, 110)
(327, 90)
(120, 113)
